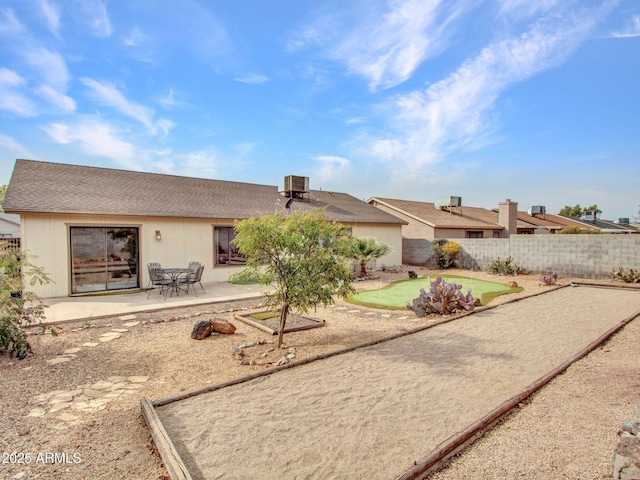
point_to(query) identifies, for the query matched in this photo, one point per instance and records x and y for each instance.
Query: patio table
(174, 275)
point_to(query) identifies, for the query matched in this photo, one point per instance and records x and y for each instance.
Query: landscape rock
(222, 326)
(201, 330)
(512, 283)
(626, 458)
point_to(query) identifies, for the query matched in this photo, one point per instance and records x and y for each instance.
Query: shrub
(574, 229)
(18, 308)
(245, 276)
(505, 267)
(446, 252)
(442, 298)
(549, 279)
(632, 276)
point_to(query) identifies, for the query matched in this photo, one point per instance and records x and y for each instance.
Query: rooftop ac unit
(590, 216)
(450, 201)
(538, 210)
(623, 221)
(296, 184)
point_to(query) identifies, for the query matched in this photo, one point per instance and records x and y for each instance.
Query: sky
(538, 102)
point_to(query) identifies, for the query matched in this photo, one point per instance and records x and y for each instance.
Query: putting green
(396, 295)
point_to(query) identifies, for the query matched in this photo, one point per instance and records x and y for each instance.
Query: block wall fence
(583, 256)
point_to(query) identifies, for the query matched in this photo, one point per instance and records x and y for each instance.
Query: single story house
(449, 219)
(452, 220)
(95, 229)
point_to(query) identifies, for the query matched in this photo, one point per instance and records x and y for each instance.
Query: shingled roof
(45, 187)
(426, 212)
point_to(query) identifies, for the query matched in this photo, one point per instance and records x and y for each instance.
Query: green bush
(574, 229)
(19, 307)
(446, 252)
(244, 277)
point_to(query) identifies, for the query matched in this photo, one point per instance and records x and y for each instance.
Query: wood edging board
(244, 317)
(170, 456)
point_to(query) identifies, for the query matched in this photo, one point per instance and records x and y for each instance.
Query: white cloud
(253, 78)
(632, 29)
(95, 138)
(51, 12)
(107, 94)
(456, 112)
(15, 148)
(525, 8)
(50, 65)
(385, 46)
(169, 100)
(11, 99)
(9, 25)
(330, 167)
(62, 102)
(93, 13)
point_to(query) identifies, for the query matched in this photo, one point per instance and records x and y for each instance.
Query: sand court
(372, 412)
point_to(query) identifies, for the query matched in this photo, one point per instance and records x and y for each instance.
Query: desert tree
(19, 307)
(303, 256)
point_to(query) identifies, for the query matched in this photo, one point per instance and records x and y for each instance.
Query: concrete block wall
(585, 256)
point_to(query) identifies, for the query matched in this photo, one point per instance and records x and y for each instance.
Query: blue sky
(538, 101)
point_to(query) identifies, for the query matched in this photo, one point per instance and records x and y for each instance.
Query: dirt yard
(71, 410)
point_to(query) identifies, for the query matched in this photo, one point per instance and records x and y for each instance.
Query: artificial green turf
(396, 295)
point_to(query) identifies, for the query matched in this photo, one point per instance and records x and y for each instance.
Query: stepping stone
(63, 398)
(27, 368)
(67, 417)
(80, 406)
(107, 337)
(101, 385)
(116, 379)
(72, 351)
(138, 379)
(386, 315)
(370, 313)
(36, 412)
(113, 394)
(55, 361)
(353, 311)
(61, 426)
(119, 330)
(90, 344)
(128, 317)
(59, 406)
(131, 324)
(90, 393)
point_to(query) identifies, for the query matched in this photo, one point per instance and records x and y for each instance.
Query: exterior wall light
(158, 235)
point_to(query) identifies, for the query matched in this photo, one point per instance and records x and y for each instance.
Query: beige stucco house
(95, 229)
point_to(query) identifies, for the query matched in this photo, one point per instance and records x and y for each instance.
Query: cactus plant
(443, 298)
(549, 279)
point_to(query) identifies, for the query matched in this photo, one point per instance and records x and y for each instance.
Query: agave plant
(443, 298)
(631, 276)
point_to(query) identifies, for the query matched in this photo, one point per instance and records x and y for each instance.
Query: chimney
(508, 216)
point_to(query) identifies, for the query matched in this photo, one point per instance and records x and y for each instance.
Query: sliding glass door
(103, 259)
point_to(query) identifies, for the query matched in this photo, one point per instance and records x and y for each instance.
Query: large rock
(220, 325)
(201, 330)
(626, 460)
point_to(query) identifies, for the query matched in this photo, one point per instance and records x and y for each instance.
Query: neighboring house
(451, 219)
(9, 226)
(591, 220)
(95, 229)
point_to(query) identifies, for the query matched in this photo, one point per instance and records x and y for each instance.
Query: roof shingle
(45, 187)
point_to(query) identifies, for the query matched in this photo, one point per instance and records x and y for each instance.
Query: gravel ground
(69, 413)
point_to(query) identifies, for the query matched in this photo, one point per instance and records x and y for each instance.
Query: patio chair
(194, 265)
(158, 278)
(192, 279)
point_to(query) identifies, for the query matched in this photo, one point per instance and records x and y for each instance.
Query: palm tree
(367, 249)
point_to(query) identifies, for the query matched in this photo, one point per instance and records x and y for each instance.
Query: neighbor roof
(471, 217)
(45, 187)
